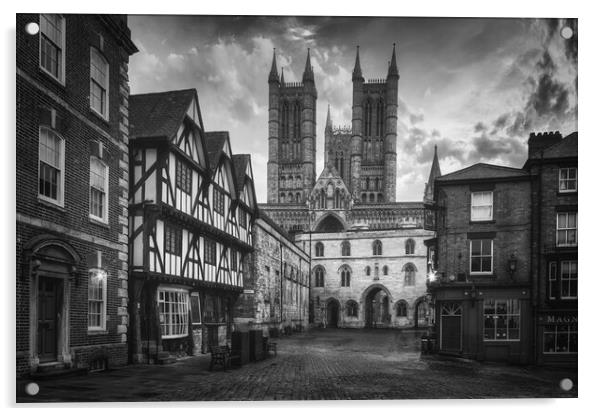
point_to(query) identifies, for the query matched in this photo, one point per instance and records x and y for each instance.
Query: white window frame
(105, 214)
(61, 63)
(560, 180)
(566, 229)
(178, 304)
(473, 217)
(507, 315)
(561, 279)
(61, 180)
(104, 61)
(103, 309)
(482, 273)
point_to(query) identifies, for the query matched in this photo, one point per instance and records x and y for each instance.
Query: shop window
(501, 320)
(560, 339)
(173, 312)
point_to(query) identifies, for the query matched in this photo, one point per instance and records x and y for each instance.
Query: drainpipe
(538, 253)
(281, 277)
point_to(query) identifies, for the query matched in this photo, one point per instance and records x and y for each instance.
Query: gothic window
(345, 276)
(298, 197)
(337, 199)
(385, 270)
(290, 197)
(351, 308)
(380, 118)
(319, 276)
(368, 118)
(367, 270)
(410, 246)
(297, 120)
(409, 275)
(284, 120)
(371, 197)
(319, 249)
(345, 248)
(377, 248)
(401, 309)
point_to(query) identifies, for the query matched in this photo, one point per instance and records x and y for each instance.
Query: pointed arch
(377, 248)
(409, 274)
(331, 223)
(368, 118)
(319, 274)
(410, 246)
(401, 309)
(345, 274)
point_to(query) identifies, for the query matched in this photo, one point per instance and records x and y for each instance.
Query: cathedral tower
(291, 136)
(374, 135)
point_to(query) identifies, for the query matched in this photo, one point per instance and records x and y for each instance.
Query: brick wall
(79, 126)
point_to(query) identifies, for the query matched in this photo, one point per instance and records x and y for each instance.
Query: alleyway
(321, 364)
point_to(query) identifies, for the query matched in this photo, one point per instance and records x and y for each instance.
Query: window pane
(476, 247)
(561, 221)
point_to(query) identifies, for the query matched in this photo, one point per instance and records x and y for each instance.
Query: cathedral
(368, 260)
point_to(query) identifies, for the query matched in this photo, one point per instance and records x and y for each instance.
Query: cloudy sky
(473, 87)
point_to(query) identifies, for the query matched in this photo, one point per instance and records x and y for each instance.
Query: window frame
(210, 252)
(473, 206)
(410, 247)
(219, 201)
(409, 274)
(105, 214)
(184, 314)
(177, 230)
(183, 177)
(345, 248)
(553, 288)
(481, 273)
(61, 69)
(60, 201)
(377, 248)
(397, 309)
(570, 281)
(560, 180)
(568, 329)
(345, 275)
(105, 61)
(566, 230)
(319, 278)
(103, 301)
(319, 252)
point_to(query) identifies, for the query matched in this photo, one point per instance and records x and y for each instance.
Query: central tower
(291, 136)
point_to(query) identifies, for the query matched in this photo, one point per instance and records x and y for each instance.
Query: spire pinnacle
(274, 71)
(308, 73)
(282, 75)
(435, 173)
(393, 66)
(357, 70)
(328, 120)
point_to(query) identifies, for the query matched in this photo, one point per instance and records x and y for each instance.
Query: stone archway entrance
(376, 307)
(332, 313)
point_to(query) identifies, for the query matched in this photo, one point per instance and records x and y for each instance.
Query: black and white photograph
(281, 207)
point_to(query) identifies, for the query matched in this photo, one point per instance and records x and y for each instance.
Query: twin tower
(364, 156)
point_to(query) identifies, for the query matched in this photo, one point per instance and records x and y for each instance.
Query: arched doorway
(376, 307)
(330, 224)
(422, 313)
(332, 313)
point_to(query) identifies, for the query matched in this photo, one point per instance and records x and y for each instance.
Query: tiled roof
(215, 141)
(482, 171)
(240, 163)
(567, 147)
(158, 114)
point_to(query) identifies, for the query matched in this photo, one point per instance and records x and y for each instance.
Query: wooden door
(48, 309)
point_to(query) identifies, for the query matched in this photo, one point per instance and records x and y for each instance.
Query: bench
(220, 355)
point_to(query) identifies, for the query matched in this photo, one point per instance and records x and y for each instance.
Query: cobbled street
(327, 364)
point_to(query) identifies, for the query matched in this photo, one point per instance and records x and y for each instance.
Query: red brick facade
(60, 242)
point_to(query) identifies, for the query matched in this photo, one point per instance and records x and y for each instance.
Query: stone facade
(276, 294)
(61, 248)
(377, 283)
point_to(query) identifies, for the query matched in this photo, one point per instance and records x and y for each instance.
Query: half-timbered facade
(189, 227)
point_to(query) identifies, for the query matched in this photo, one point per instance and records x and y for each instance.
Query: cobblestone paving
(321, 364)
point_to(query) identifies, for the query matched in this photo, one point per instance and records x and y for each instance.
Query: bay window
(173, 312)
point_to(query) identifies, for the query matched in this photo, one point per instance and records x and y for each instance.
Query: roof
(215, 143)
(158, 114)
(240, 163)
(567, 147)
(482, 171)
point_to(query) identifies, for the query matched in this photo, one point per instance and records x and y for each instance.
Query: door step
(51, 366)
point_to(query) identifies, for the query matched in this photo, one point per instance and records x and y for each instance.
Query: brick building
(276, 294)
(192, 206)
(72, 184)
(552, 163)
(480, 280)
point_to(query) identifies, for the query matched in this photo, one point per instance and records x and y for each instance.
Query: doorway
(377, 308)
(49, 306)
(332, 313)
(451, 327)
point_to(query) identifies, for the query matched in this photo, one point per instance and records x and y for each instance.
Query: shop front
(557, 337)
(484, 323)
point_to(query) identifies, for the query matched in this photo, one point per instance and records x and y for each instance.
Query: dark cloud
(480, 126)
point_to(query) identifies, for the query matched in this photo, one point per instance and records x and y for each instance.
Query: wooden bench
(220, 355)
